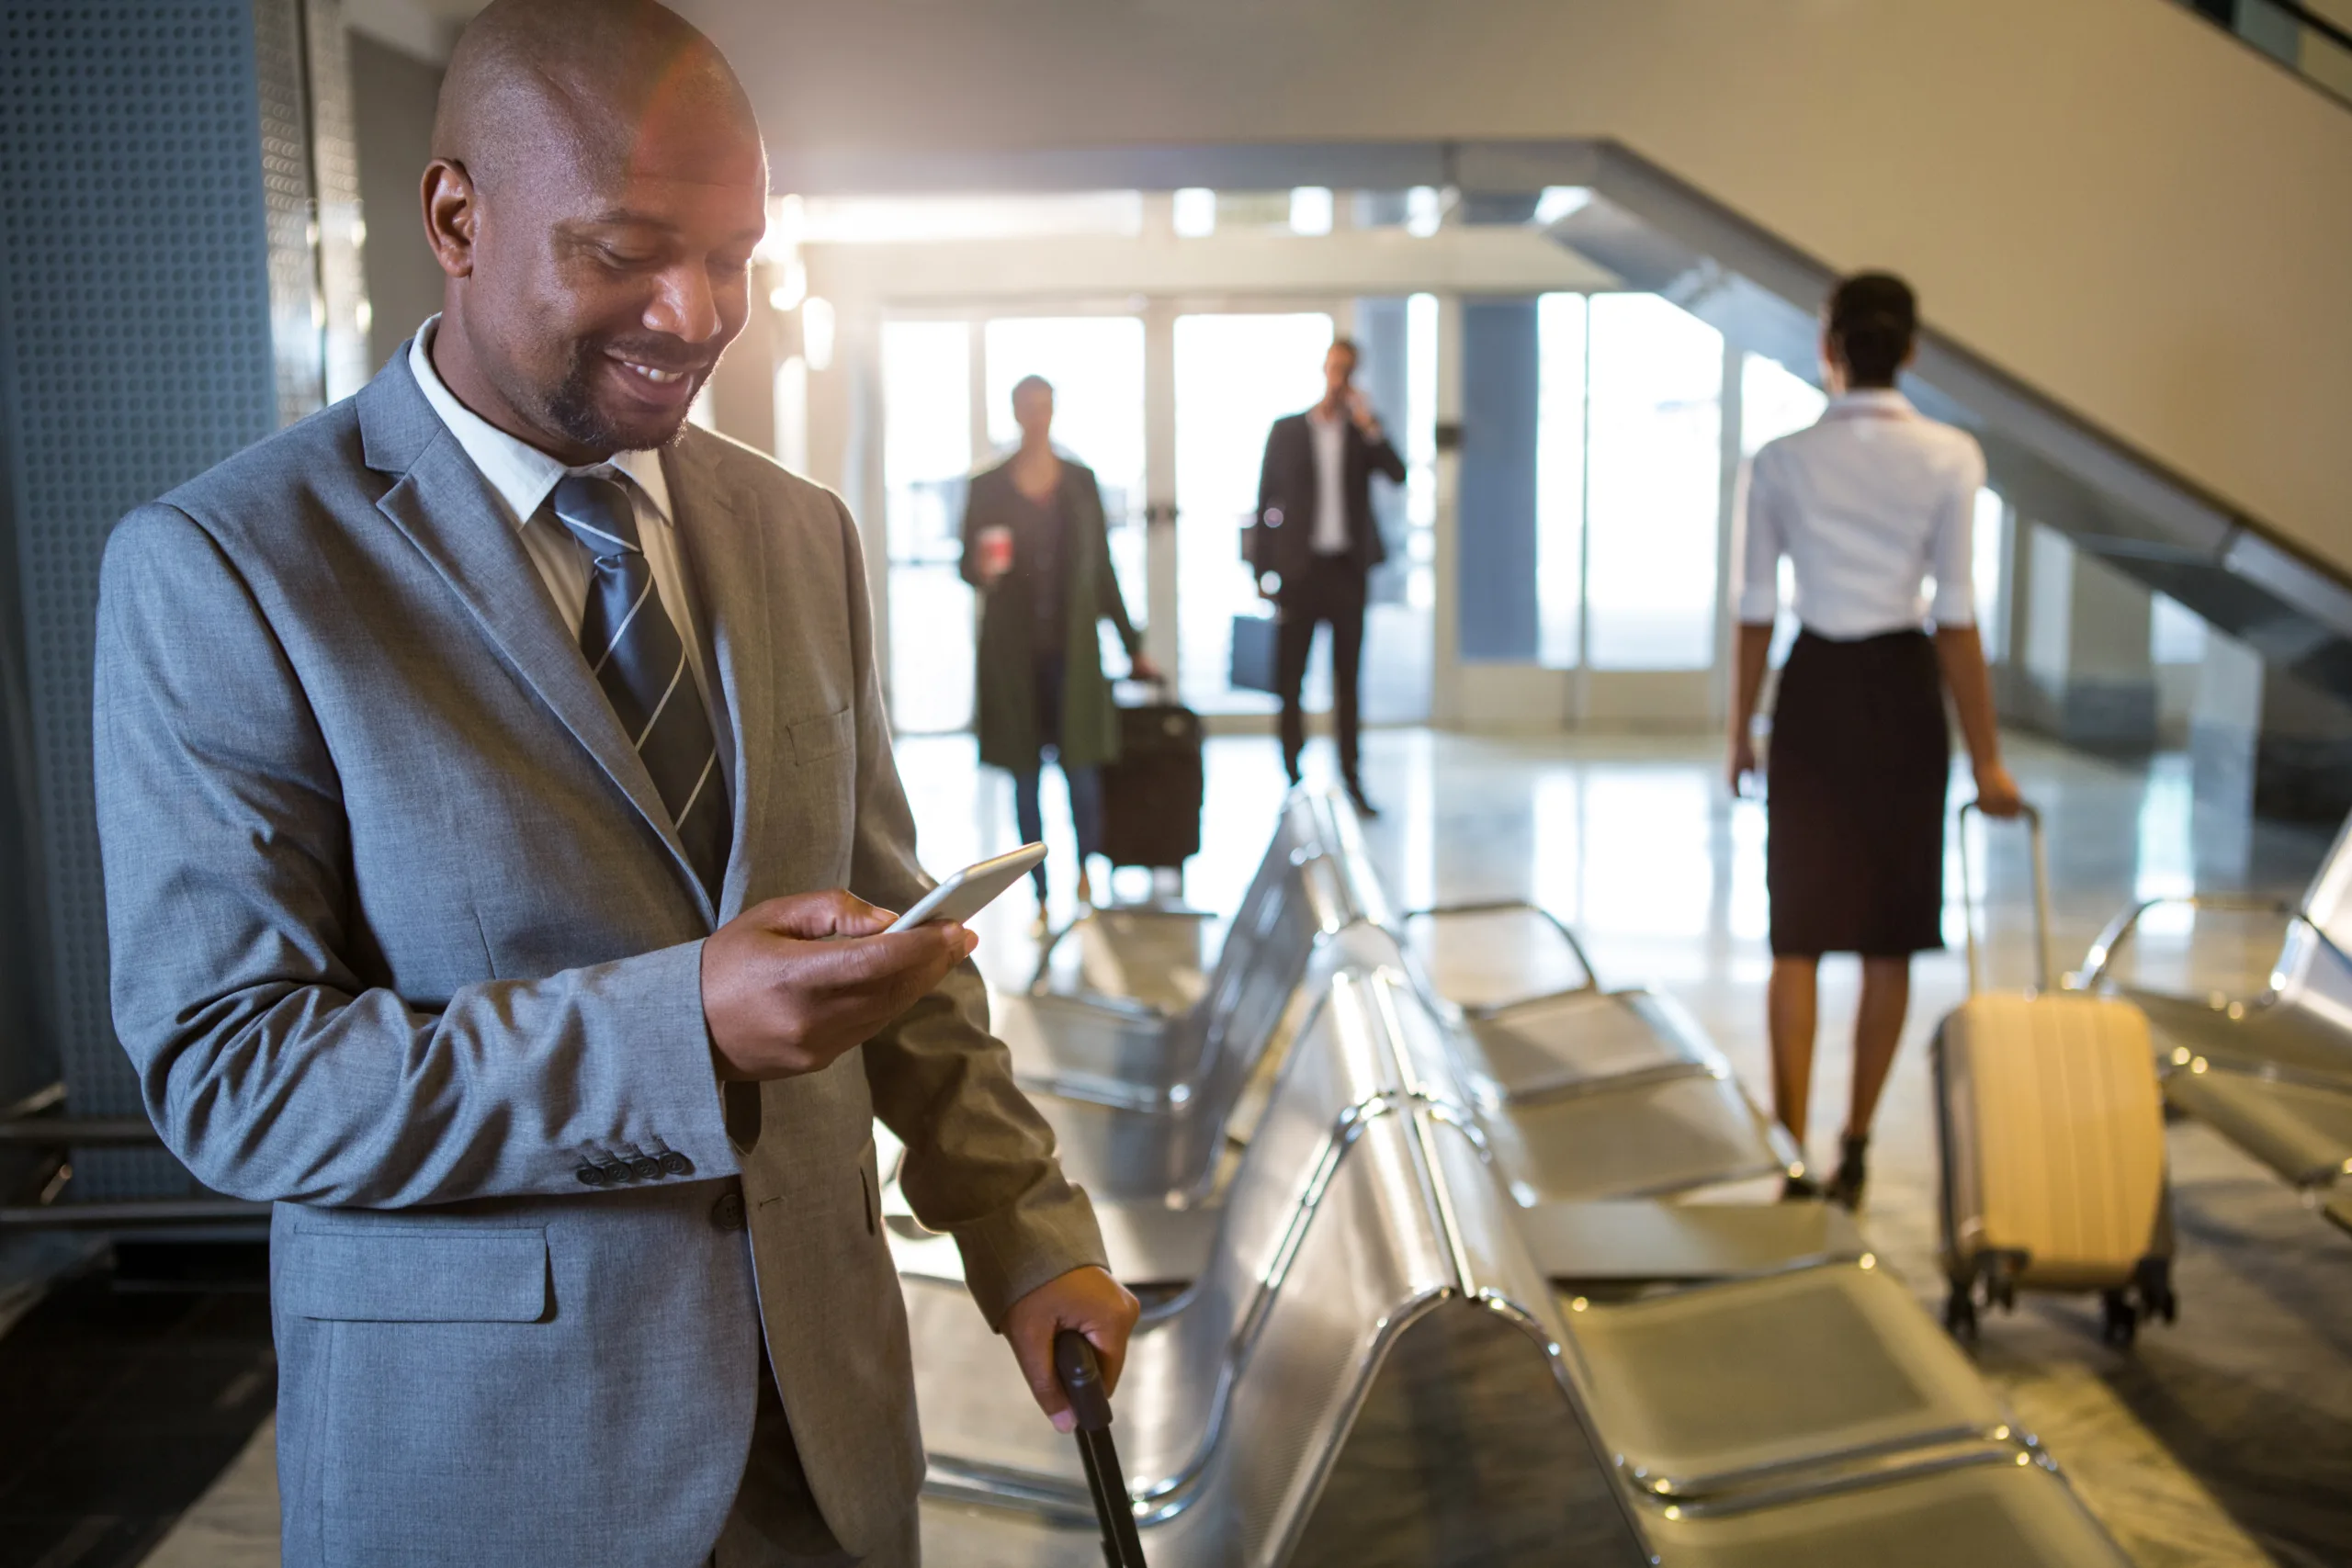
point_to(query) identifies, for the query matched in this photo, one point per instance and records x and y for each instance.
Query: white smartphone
(970, 890)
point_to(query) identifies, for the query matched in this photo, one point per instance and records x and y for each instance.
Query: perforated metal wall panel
(154, 206)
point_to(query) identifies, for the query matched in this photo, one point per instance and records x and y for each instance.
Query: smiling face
(598, 262)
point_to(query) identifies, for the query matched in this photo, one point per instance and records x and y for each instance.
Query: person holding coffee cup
(1037, 549)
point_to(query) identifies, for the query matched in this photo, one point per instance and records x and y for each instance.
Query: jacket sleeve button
(590, 1176)
(615, 1173)
(676, 1164)
(644, 1168)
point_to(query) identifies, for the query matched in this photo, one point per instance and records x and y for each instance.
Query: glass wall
(1654, 486)
(1629, 425)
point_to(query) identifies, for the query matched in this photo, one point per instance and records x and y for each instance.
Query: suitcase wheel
(2120, 1323)
(1959, 1312)
(2153, 1283)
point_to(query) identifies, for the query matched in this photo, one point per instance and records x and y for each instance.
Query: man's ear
(452, 214)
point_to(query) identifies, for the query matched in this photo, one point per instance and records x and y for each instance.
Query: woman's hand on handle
(1997, 791)
(1743, 763)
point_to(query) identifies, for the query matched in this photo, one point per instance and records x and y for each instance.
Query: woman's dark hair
(1872, 317)
(1028, 384)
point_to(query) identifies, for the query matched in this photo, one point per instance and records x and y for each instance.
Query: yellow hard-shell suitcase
(2053, 1145)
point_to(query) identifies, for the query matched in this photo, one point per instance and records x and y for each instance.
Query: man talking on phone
(1315, 545)
(499, 822)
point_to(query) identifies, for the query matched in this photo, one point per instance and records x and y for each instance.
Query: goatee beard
(572, 413)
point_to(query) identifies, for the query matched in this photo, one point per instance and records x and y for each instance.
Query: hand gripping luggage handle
(1089, 1402)
(1081, 1377)
(2041, 899)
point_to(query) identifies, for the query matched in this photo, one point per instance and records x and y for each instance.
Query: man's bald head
(581, 79)
(597, 185)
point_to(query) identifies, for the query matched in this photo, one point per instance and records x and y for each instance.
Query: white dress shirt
(1866, 503)
(522, 477)
(1329, 435)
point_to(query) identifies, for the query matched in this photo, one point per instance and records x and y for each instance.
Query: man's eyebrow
(622, 216)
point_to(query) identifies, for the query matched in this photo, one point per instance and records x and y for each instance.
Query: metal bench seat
(2300, 1130)
(1561, 1043)
(2260, 1033)
(1986, 1510)
(1760, 1385)
(1640, 1138)
(1155, 956)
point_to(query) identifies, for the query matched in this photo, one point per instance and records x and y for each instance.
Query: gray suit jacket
(403, 943)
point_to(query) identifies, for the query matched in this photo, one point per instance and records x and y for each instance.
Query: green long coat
(1005, 712)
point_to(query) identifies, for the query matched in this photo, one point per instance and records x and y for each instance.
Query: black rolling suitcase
(1081, 1377)
(1151, 795)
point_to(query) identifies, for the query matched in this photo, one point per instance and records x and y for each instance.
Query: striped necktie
(640, 660)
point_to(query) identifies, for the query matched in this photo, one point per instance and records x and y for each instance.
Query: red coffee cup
(996, 551)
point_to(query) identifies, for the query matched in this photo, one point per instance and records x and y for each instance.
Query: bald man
(500, 827)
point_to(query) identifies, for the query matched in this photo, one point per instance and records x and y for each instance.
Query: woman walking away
(1037, 549)
(1866, 504)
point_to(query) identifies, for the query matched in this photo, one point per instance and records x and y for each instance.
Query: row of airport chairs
(1370, 1358)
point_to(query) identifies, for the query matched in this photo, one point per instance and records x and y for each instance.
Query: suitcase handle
(1081, 1377)
(1089, 1402)
(2040, 860)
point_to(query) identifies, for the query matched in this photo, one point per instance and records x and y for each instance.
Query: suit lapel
(446, 508)
(725, 556)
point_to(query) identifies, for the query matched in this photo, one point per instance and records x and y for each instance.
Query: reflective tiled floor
(2225, 1440)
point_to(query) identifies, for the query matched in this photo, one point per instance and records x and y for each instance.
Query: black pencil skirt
(1855, 782)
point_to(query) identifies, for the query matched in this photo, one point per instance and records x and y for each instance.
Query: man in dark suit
(1316, 544)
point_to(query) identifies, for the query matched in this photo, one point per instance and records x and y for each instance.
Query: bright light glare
(1423, 209)
(787, 218)
(787, 295)
(1558, 202)
(816, 332)
(1311, 209)
(1195, 213)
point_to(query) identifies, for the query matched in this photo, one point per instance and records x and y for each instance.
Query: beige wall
(2107, 199)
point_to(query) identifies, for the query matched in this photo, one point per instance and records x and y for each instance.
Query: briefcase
(1255, 641)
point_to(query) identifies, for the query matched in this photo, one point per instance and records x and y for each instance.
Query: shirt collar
(1883, 401)
(521, 475)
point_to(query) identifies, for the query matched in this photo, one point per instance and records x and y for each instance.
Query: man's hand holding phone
(790, 984)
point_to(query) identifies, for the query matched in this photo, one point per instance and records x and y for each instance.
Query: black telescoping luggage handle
(2042, 964)
(1089, 1404)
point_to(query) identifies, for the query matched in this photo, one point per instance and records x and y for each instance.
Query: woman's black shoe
(1845, 1187)
(1799, 1189)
